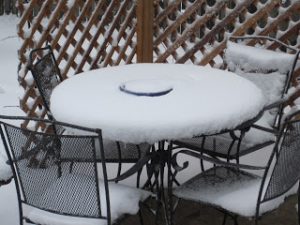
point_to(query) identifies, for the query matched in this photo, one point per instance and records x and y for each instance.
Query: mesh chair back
(45, 72)
(270, 70)
(286, 171)
(53, 188)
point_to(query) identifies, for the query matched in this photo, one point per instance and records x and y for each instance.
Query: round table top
(191, 100)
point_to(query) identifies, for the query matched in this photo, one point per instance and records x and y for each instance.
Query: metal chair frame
(52, 142)
(38, 77)
(53, 138)
(239, 138)
(274, 172)
(289, 75)
(44, 54)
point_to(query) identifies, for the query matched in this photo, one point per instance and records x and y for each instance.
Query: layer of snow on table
(201, 102)
(249, 58)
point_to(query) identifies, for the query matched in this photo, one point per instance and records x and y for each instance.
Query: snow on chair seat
(227, 188)
(123, 200)
(237, 191)
(5, 171)
(53, 188)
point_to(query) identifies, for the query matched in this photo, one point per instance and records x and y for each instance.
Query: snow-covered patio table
(151, 102)
(156, 102)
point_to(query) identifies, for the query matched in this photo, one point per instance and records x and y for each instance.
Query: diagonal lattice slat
(88, 34)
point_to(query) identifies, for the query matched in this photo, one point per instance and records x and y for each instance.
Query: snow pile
(203, 101)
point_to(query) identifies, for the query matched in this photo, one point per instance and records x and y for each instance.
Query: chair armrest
(208, 159)
(277, 103)
(294, 112)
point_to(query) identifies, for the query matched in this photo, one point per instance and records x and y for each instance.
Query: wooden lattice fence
(88, 34)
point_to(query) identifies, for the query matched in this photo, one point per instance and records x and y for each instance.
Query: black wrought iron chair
(271, 71)
(234, 190)
(47, 76)
(53, 195)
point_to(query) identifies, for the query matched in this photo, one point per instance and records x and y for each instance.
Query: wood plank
(145, 14)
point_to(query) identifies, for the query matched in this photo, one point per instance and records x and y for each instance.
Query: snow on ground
(9, 101)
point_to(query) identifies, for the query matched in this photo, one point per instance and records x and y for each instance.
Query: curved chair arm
(270, 130)
(294, 112)
(261, 37)
(277, 103)
(208, 159)
(135, 168)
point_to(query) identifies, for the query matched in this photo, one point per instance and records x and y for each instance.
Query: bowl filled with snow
(146, 87)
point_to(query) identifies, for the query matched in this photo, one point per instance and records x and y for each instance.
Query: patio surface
(189, 213)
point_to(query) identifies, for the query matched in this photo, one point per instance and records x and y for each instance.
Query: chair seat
(123, 200)
(218, 145)
(215, 187)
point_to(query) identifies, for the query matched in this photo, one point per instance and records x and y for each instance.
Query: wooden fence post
(145, 11)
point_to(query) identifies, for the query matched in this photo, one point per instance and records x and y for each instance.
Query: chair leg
(202, 164)
(224, 219)
(138, 178)
(235, 220)
(141, 215)
(298, 208)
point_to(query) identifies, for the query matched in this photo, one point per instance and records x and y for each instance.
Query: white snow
(203, 101)
(9, 101)
(5, 171)
(253, 58)
(123, 199)
(265, 68)
(235, 193)
(9, 90)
